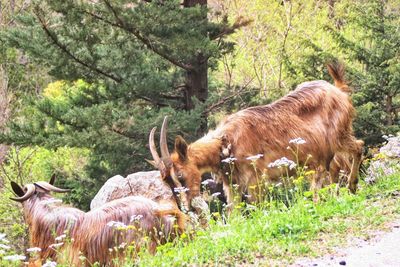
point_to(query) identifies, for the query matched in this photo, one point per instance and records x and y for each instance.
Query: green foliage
(34, 164)
(367, 39)
(31, 164)
(280, 233)
(135, 58)
(121, 66)
(376, 50)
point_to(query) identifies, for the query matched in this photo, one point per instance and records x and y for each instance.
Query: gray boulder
(387, 162)
(148, 184)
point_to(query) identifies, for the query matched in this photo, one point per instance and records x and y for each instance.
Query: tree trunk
(4, 109)
(389, 109)
(196, 84)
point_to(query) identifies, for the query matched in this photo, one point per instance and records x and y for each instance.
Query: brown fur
(94, 238)
(316, 111)
(89, 233)
(47, 221)
(341, 163)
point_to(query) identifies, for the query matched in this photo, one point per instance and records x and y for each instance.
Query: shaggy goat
(99, 235)
(341, 163)
(45, 217)
(316, 111)
(131, 221)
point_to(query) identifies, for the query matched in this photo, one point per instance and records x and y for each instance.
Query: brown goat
(316, 111)
(99, 235)
(136, 219)
(46, 218)
(340, 163)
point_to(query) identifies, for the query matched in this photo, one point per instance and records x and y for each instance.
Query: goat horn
(157, 161)
(49, 187)
(30, 189)
(166, 157)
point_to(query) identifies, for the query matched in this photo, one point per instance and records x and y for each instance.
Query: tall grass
(286, 224)
(275, 231)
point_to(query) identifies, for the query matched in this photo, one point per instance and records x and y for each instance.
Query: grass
(277, 235)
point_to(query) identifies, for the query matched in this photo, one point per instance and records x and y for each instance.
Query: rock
(148, 184)
(202, 211)
(392, 148)
(386, 162)
(342, 262)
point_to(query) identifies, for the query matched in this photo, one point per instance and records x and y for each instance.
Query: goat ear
(181, 147)
(52, 179)
(17, 189)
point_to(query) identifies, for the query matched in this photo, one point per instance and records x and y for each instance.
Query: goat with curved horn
(22, 194)
(92, 234)
(153, 150)
(49, 187)
(165, 155)
(319, 113)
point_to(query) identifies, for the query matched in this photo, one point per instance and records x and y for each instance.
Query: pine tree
(121, 66)
(365, 35)
(373, 44)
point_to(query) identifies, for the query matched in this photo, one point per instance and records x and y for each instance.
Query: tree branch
(121, 24)
(63, 48)
(239, 23)
(226, 99)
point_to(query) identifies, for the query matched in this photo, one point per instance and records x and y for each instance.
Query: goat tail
(336, 70)
(179, 215)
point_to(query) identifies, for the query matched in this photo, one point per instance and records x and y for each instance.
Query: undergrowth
(286, 225)
(280, 233)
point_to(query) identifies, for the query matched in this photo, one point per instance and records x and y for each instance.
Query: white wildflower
(297, 141)
(216, 194)
(229, 160)
(34, 249)
(82, 258)
(255, 157)
(2, 236)
(116, 224)
(122, 245)
(50, 264)
(56, 245)
(2, 246)
(206, 182)
(14, 258)
(282, 162)
(60, 238)
(181, 189)
(292, 166)
(136, 217)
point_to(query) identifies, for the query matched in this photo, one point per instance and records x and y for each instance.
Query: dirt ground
(382, 250)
